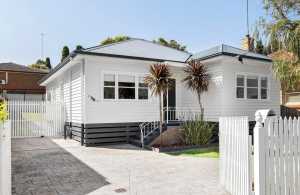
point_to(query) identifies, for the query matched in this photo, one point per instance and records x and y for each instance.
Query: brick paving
(41, 167)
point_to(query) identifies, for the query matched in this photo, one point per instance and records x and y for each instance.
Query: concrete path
(64, 167)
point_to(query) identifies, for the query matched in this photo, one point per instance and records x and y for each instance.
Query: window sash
(252, 87)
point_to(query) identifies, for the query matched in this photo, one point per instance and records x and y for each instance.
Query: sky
(198, 24)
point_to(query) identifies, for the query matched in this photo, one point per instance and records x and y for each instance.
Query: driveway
(57, 166)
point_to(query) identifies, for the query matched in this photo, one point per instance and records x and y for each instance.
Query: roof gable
(141, 48)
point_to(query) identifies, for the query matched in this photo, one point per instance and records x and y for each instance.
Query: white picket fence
(235, 156)
(36, 118)
(5, 158)
(274, 166)
(278, 161)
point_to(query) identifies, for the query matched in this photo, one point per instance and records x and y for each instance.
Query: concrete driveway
(64, 167)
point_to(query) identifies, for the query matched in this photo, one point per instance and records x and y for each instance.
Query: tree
(39, 64)
(259, 47)
(172, 43)
(115, 39)
(79, 47)
(197, 79)
(48, 63)
(158, 82)
(65, 52)
(283, 30)
(286, 69)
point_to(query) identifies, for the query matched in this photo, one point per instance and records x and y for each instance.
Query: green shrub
(3, 111)
(196, 132)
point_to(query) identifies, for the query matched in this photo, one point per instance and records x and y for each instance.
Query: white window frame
(259, 76)
(117, 73)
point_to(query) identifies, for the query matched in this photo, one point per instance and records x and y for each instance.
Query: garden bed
(177, 148)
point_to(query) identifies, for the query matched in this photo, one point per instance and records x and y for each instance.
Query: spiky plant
(158, 82)
(197, 79)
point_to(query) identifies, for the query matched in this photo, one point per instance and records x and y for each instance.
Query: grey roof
(228, 50)
(10, 66)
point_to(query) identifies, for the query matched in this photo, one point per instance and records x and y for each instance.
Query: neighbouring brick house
(18, 82)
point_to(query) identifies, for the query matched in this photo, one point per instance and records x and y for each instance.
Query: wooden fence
(277, 163)
(5, 158)
(235, 155)
(36, 118)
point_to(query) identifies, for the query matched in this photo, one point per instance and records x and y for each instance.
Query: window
(109, 86)
(252, 87)
(240, 85)
(126, 87)
(142, 89)
(264, 88)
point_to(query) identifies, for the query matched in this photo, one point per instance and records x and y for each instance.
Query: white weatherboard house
(105, 98)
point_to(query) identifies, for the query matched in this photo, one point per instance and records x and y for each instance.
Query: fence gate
(277, 156)
(235, 155)
(36, 118)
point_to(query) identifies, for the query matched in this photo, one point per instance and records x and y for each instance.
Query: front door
(170, 100)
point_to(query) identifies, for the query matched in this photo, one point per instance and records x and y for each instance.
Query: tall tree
(158, 82)
(172, 43)
(65, 52)
(283, 29)
(197, 79)
(115, 39)
(48, 63)
(287, 70)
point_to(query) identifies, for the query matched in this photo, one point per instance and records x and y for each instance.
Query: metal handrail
(146, 129)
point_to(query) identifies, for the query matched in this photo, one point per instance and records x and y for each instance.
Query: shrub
(196, 132)
(3, 111)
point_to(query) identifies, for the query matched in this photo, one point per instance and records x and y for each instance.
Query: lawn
(212, 152)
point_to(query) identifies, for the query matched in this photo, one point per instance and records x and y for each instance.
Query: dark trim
(74, 53)
(103, 133)
(233, 55)
(58, 67)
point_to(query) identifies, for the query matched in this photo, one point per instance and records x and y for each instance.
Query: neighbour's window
(109, 86)
(264, 88)
(48, 96)
(142, 89)
(252, 87)
(126, 85)
(240, 85)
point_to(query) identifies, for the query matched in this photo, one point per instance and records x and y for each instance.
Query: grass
(212, 152)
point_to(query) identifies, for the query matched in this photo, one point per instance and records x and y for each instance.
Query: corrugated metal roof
(226, 49)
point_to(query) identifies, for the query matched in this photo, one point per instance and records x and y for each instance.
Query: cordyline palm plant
(197, 79)
(158, 82)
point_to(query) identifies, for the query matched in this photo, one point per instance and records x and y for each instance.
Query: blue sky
(197, 24)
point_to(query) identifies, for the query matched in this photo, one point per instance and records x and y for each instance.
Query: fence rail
(36, 118)
(235, 155)
(5, 158)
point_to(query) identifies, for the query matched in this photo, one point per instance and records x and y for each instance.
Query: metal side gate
(36, 118)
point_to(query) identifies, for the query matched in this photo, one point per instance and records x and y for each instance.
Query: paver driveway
(56, 166)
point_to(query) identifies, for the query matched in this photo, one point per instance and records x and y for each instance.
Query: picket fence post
(259, 158)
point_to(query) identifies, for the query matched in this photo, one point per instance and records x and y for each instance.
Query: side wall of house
(233, 106)
(68, 88)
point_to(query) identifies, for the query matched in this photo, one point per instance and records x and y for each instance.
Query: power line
(42, 46)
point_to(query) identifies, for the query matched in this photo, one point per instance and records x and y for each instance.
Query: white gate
(235, 155)
(277, 159)
(36, 118)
